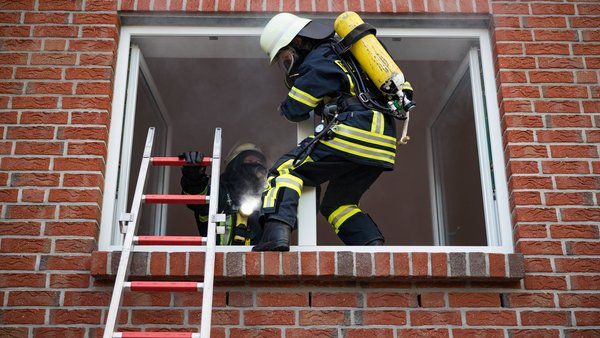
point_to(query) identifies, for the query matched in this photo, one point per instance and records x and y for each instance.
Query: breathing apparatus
(359, 38)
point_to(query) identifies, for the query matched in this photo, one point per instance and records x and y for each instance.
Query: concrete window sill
(322, 265)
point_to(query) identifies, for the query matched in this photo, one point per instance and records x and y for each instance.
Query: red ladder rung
(157, 335)
(169, 240)
(176, 199)
(176, 161)
(163, 286)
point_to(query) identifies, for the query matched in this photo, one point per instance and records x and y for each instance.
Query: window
(447, 193)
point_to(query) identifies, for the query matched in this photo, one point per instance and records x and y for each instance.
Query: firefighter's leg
(340, 207)
(280, 204)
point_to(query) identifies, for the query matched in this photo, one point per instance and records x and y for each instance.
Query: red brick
(530, 182)
(550, 77)
(509, 48)
(419, 318)
(11, 59)
(527, 151)
(540, 247)
(577, 265)
(491, 318)
(254, 332)
(372, 332)
(519, 136)
(576, 151)
(46, 73)
(510, 8)
(86, 102)
(521, 300)
(83, 180)
(553, 136)
(78, 316)
(569, 199)
(58, 332)
(382, 317)
(587, 318)
(38, 148)
(574, 231)
(73, 163)
(48, 18)
(513, 76)
(542, 8)
(565, 167)
(526, 198)
(497, 265)
(391, 299)
(33, 298)
(20, 280)
(75, 245)
(583, 248)
(526, 121)
(104, 59)
(334, 299)
(557, 106)
(545, 318)
(83, 45)
(579, 300)
(323, 317)
(17, 262)
(20, 228)
(56, 31)
(34, 102)
(95, 19)
(507, 22)
(560, 62)
(433, 299)
(70, 281)
(512, 91)
(65, 263)
(22, 245)
(401, 264)
(302, 333)
(268, 317)
(513, 35)
(555, 35)
(545, 282)
(512, 62)
(50, 88)
(59, 5)
(535, 214)
(326, 263)
(545, 21)
(11, 88)
(467, 299)
(531, 231)
(86, 148)
(31, 211)
(524, 167)
(281, 299)
(22, 44)
(23, 316)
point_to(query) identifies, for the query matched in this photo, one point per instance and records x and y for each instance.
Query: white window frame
(497, 211)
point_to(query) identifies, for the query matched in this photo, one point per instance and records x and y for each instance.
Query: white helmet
(282, 29)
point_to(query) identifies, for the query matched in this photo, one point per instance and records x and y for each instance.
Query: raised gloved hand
(194, 177)
(192, 157)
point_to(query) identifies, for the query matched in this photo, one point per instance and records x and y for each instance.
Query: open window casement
(447, 193)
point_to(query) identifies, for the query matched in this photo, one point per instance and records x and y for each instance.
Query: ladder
(129, 224)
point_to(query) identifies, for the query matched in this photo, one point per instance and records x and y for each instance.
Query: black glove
(192, 157)
(194, 178)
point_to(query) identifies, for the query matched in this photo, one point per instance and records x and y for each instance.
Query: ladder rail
(209, 265)
(125, 261)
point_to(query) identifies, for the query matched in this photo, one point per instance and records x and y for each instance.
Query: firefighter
(351, 147)
(240, 184)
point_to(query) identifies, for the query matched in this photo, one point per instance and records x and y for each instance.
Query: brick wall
(56, 72)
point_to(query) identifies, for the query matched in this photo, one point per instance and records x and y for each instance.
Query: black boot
(276, 237)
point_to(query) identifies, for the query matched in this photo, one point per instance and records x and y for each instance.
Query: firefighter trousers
(347, 182)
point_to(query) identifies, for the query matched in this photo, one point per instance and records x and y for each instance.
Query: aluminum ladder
(129, 224)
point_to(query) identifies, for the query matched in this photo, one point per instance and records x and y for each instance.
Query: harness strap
(356, 34)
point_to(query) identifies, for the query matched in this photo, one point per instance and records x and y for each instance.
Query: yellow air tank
(371, 56)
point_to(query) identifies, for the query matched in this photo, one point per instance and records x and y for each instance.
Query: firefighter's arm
(310, 88)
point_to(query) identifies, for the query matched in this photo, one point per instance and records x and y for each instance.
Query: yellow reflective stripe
(406, 86)
(377, 123)
(341, 65)
(360, 150)
(304, 97)
(289, 181)
(365, 136)
(203, 218)
(269, 201)
(341, 214)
